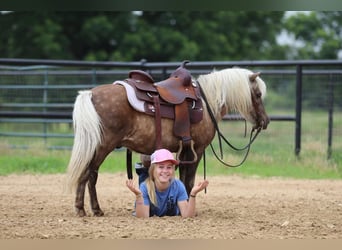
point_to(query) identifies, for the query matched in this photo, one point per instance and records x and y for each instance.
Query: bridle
(221, 137)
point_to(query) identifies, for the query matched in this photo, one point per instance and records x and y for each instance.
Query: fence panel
(36, 101)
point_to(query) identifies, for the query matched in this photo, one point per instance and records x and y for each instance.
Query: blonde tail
(88, 135)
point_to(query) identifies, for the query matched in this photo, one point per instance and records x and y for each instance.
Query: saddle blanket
(137, 104)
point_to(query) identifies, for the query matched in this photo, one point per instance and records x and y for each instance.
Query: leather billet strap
(157, 120)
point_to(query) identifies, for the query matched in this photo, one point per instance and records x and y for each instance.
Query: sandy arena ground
(35, 207)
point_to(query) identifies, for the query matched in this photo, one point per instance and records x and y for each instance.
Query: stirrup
(192, 150)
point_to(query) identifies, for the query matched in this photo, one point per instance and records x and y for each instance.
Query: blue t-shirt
(167, 200)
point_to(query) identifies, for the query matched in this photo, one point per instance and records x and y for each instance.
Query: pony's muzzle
(262, 124)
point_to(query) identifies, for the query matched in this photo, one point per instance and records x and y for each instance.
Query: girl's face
(164, 172)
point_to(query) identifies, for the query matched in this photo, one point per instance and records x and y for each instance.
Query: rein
(221, 137)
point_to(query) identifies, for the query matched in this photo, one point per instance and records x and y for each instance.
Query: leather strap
(181, 127)
(157, 120)
(129, 163)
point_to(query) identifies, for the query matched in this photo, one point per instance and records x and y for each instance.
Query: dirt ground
(36, 207)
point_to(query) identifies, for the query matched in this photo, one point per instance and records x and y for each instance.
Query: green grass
(272, 154)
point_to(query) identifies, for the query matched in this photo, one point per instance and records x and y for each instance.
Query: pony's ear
(224, 110)
(253, 76)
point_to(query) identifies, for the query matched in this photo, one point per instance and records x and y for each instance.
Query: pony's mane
(229, 88)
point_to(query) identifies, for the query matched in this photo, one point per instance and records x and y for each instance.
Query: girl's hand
(199, 187)
(130, 185)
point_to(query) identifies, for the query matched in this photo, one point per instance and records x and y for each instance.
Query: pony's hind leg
(89, 176)
(79, 200)
(94, 166)
(95, 206)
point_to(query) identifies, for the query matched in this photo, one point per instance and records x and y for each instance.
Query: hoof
(98, 213)
(80, 212)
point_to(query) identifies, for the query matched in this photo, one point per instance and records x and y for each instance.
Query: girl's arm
(141, 210)
(188, 208)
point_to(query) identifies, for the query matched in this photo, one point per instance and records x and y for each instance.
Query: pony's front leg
(95, 207)
(187, 175)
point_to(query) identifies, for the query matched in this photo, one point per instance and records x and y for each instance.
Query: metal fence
(35, 95)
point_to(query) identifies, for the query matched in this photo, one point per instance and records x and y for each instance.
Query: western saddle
(177, 98)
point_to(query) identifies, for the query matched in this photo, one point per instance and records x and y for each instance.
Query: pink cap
(161, 155)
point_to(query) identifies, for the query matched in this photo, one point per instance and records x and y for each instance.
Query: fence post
(93, 77)
(299, 77)
(330, 114)
(45, 101)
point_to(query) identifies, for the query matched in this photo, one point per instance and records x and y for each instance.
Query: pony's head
(236, 89)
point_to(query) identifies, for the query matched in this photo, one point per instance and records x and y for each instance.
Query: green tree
(222, 35)
(170, 36)
(155, 36)
(32, 35)
(318, 35)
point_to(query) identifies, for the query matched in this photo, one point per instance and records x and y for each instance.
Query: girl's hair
(151, 188)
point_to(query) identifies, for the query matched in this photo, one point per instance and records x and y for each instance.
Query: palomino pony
(104, 120)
